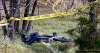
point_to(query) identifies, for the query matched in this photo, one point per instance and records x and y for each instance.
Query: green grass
(39, 48)
(59, 25)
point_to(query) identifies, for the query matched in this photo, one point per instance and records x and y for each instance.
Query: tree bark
(26, 13)
(92, 26)
(32, 14)
(14, 12)
(90, 37)
(7, 17)
(5, 9)
(17, 15)
(92, 17)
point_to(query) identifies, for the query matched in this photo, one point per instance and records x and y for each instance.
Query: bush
(98, 42)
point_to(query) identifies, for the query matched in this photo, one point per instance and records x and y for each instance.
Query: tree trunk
(5, 9)
(7, 17)
(92, 21)
(14, 12)
(32, 14)
(90, 37)
(92, 26)
(26, 13)
(17, 15)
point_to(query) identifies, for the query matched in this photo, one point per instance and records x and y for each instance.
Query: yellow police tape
(52, 15)
(44, 16)
(3, 21)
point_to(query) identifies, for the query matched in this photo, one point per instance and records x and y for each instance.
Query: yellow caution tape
(43, 16)
(3, 21)
(40, 16)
